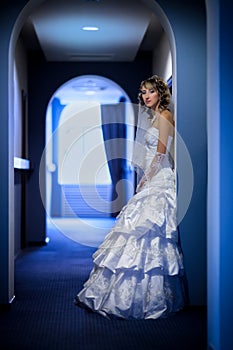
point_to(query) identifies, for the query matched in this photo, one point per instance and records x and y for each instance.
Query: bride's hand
(146, 177)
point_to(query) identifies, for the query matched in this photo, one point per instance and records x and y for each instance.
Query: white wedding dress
(138, 269)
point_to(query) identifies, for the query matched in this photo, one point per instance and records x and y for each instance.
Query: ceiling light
(89, 85)
(90, 28)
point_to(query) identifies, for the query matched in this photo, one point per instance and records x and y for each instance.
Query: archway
(90, 125)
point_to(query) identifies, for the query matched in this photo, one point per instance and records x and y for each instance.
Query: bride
(138, 270)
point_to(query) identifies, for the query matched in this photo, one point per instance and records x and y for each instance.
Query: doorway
(90, 126)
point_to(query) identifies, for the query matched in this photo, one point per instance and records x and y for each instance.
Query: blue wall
(220, 175)
(226, 177)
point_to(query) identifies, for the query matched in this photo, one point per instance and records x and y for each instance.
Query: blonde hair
(161, 87)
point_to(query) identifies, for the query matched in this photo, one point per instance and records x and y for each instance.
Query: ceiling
(126, 27)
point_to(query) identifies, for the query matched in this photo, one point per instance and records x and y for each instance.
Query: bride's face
(150, 96)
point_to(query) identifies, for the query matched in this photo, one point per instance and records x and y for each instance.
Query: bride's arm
(165, 126)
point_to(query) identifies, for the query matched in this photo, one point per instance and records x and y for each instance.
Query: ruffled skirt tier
(138, 269)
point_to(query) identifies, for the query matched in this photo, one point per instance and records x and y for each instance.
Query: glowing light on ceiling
(90, 28)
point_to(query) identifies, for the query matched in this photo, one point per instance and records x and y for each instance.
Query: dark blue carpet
(44, 317)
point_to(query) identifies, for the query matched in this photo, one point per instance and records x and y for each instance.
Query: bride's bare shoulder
(166, 114)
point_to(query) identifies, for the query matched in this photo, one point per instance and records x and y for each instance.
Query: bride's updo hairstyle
(161, 87)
